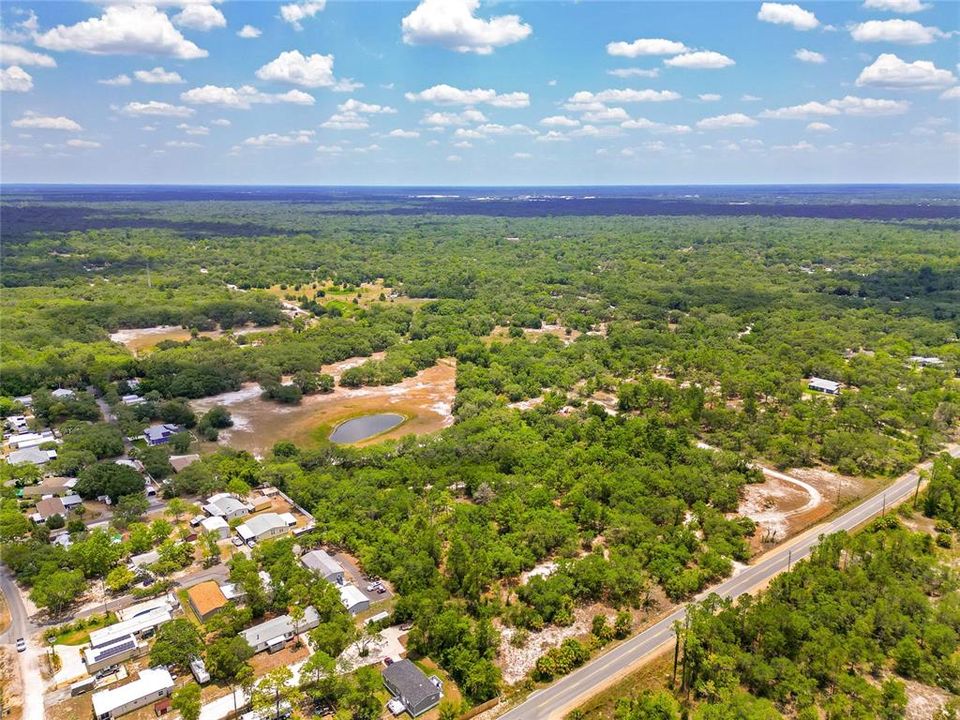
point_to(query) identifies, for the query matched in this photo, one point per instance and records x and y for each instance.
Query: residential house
(25, 400)
(199, 670)
(32, 455)
(72, 501)
(353, 599)
(112, 653)
(17, 423)
(179, 462)
(140, 626)
(408, 684)
(206, 599)
(132, 399)
(265, 526)
(216, 524)
(923, 361)
(143, 559)
(63, 393)
(321, 563)
(825, 386)
(166, 602)
(153, 685)
(160, 434)
(24, 440)
(225, 506)
(273, 635)
(47, 508)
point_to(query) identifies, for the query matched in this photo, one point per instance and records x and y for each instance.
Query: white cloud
(793, 15)
(709, 97)
(295, 12)
(585, 100)
(750, 98)
(897, 31)
(559, 121)
(453, 24)
(454, 158)
(119, 80)
(951, 93)
(700, 60)
(467, 133)
(36, 121)
(155, 107)
(350, 115)
(16, 55)
(270, 140)
(655, 127)
(449, 95)
(249, 32)
(848, 105)
(329, 149)
(221, 122)
(522, 156)
(297, 69)
(200, 16)
(497, 129)
(15, 79)
(404, 134)
(123, 30)
(889, 71)
(193, 129)
(243, 97)
(646, 46)
(553, 136)
(809, 56)
(720, 122)
(357, 106)
(634, 72)
(158, 76)
(83, 144)
(898, 6)
(346, 85)
(819, 127)
(797, 147)
(446, 119)
(614, 114)
(183, 144)
(149, 128)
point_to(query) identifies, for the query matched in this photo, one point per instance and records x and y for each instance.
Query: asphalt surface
(576, 688)
(21, 627)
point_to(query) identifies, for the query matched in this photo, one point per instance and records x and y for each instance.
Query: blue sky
(479, 93)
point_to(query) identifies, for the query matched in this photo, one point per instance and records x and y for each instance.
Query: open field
(365, 294)
(139, 340)
(425, 400)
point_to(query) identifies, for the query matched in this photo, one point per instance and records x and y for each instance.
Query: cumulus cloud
(35, 121)
(272, 140)
(182, 144)
(889, 71)
(453, 24)
(819, 127)
(221, 122)
(83, 144)
(249, 32)
(449, 95)
(16, 55)
(404, 134)
(242, 98)
(295, 68)
(809, 56)
(614, 114)
(559, 121)
(700, 60)
(445, 119)
(645, 46)
(123, 30)
(586, 101)
(193, 129)
(15, 79)
(634, 72)
(158, 76)
(898, 6)
(783, 14)
(155, 107)
(346, 85)
(746, 97)
(709, 97)
(200, 16)
(720, 122)
(655, 127)
(295, 12)
(351, 114)
(848, 105)
(119, 80)
(951, 94)
(897, 31)
(454, 158)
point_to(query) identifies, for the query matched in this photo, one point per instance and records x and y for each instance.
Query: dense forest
(699, 329)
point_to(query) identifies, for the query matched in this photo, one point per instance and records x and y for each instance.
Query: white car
(21, 644)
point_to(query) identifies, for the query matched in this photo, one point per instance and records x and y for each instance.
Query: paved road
(573, 690)
(21, 627)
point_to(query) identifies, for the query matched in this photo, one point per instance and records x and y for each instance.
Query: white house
(321, 563)
(138, 625)
(216, 524)
(153, 685)
(226, 506)
(265, 526)
(353, 599)
(825, 386)
(31, 455)
(925, 361)
(273, 634)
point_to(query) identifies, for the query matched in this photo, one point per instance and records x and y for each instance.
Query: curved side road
(579, 686)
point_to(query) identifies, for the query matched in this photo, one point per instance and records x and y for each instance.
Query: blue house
(160, 434)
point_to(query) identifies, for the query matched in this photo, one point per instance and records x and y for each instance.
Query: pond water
(365, 426)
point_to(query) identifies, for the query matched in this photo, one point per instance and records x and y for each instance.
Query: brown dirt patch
(425, 400)
(139, 340)
(366, 294)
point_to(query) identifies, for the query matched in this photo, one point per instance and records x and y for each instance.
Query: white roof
(351, 595)
(164, 602)
(321, 561)
(257, 525)
(150, 682)
(133, 626)
(62, 393)
(828, 384)
(31, 455)
(223, 505)
(211, 524)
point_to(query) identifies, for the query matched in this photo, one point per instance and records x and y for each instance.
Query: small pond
(365, 426)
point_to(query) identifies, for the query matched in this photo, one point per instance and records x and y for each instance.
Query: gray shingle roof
(410, 681)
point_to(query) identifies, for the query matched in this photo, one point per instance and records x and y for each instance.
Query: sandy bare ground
(138, 340)
(426, 400)
(923, 701)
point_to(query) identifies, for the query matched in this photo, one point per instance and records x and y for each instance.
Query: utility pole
(789, 558)
(884, 510)
(916, 492)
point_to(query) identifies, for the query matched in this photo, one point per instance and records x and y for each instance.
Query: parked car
(238, 542)
(196, 520)
(381, 590)
(406, 627)
(21, 644)
(388, 661)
